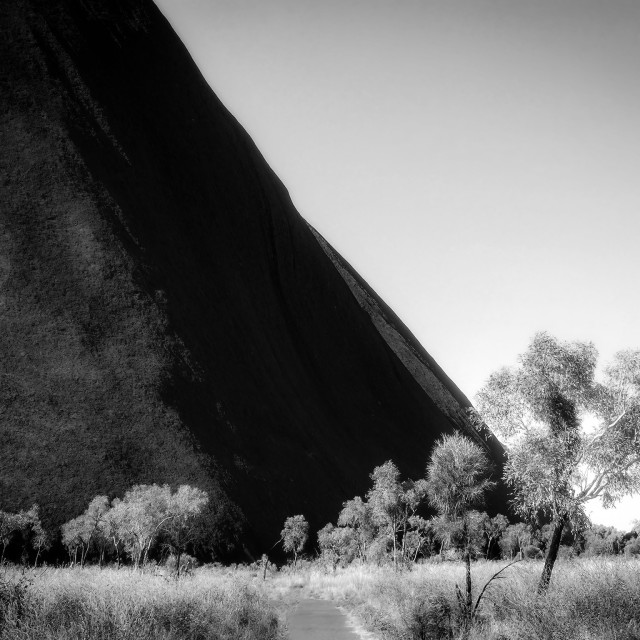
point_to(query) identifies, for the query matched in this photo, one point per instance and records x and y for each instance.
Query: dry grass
(66, 604)
(588, 600)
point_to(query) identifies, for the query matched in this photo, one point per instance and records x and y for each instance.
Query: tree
(85, 529)
(420, 536)
(41, 540)
(294, 535)
(356, 515)
(600, 540)
(138, 518)
(337, 544)
(457, 476)
(26, 527)
(112, 530)
(181, 527)
(73, 538)
(413, 528)
(10, 526)
(493, 529)
(542, 410)
(393, 504)
(34, 534)
(515, 538)
(385, 500)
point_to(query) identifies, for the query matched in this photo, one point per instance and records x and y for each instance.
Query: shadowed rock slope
(166, 314)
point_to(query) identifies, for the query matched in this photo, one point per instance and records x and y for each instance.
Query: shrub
(430, 619)
(632, 548)
(531, 552)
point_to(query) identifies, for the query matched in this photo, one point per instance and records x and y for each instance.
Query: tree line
(146, 518)
(361, 536)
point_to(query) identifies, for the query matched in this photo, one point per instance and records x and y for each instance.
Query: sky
(476, 161)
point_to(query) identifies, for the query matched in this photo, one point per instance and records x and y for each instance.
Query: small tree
(385, 500)
(600, 540)
(542, 410)
(111, 530)
(82, 532)
(493, 529)
(74, 538)
(337, 544)
(39, 537)
(413, 528)
(181, 527)
(356, 515)
(294, 535)
(138, 517)
(10, 526)
(515, 538)
(457, 475)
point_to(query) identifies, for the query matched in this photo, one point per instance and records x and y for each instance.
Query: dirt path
(319, 620)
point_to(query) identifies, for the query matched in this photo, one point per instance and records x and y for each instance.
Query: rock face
(166, 314)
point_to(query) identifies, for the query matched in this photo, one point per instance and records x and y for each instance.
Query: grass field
(588, 600)
(593, 599)
(111, 604)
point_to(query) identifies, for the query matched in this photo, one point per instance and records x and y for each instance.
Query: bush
(429, 619)
(632, 548)
(531, 552)
(187, 563)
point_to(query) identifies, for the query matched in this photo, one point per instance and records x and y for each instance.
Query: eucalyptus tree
(182, 528)
(570, 437)
(294, 535)
(356, 515)
(385, 501)
(393, 506)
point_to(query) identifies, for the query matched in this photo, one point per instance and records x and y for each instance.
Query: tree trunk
(552, 552)
(467, 560)
(395, 551)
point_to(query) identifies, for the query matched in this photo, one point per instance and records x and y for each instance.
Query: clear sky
(477, 161)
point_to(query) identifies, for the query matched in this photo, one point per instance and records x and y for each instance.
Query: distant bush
(566, 552)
